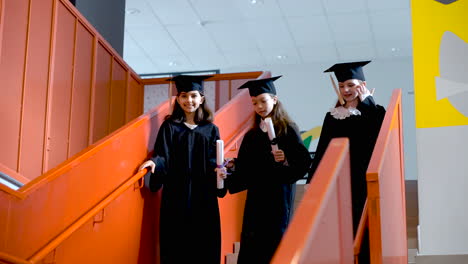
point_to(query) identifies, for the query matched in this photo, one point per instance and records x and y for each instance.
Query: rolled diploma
(271, 132)
(220, 160)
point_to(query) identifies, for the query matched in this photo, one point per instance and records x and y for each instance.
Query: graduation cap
(348, 70)
(260, 86)
(187, 83)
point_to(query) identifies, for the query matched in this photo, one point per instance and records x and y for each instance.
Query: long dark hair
(203, 114)
(280, 119)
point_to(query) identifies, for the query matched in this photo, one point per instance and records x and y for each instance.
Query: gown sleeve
(297, 158)
(325, 137)
(237, 181)
(161, 155)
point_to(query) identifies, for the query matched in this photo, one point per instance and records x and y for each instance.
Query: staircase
(412, 219)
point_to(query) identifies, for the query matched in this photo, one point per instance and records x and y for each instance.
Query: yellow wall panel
(437, 27)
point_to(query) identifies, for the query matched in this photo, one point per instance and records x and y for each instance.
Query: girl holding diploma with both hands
(184, 164)
(268, 175)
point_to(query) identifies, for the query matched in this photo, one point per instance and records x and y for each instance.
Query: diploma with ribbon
(271, 133)
(220, 160)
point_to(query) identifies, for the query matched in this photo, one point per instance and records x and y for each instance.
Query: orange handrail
(321, 229)
(147, 122)
(363, 224)
(43, 252)
(386, 190)
(216, 77)
(86, 217)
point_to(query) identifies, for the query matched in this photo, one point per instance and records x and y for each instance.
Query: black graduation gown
(270, 191)
(189, 214)
(362, 131)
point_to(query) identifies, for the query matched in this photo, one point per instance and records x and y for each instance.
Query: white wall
(443, 182)
(307, 95)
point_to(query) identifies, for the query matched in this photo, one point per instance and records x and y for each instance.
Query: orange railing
(386, 190)
(51, 214)
(384, 214)
(55, 209)
(360, 233)
(321, 230)
(63, 87)
(69, 231)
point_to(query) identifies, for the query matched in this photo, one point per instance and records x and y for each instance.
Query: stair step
(231, 258)
(412, 252)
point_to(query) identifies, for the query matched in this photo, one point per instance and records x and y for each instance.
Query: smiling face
(190, 101)
(263, 104)
(348, 89)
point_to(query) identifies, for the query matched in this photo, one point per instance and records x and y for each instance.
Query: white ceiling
(195, 35)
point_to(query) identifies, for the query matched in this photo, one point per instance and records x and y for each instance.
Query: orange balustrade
(83, 211)
(62, 85)
(360, 233)
(386, 190)
(50, 216)
(321, 230)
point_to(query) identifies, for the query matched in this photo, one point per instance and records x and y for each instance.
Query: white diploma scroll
(220, 160)
(271, 133)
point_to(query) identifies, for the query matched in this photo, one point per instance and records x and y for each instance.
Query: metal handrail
(9, 181)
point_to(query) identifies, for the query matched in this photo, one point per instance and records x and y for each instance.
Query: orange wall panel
(118, 96)
(134, 102)
(35, 90)
(95, 243)
(4, 216)
(11, 63)
(81, 95)
(102, 93)
(60, 101)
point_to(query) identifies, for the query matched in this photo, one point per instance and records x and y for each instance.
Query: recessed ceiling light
(395, 49)
(255, 2)
(133, 11)
(173, 63)
(281, 57)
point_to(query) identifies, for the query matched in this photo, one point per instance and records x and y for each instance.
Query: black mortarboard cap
(187, 83)
(348, 70)
(260, 86)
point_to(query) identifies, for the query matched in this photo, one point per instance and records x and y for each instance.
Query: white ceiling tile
(141, 64)
(130, 46)
(166, 35)
(281, 56)
(231, 36)
(350, 28)
(207, 60)
(386, 4)
(313, 54)
(172, 63)
(174, 12)
(344, 6)
(391, 25)
(244, 58)
(155, 41)
(139, 15)
(394, 48)
(301, 8)
(262, 9)
(310, 30)
(270, 33)
(356, 51)
(215, 10)
(192, 38)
